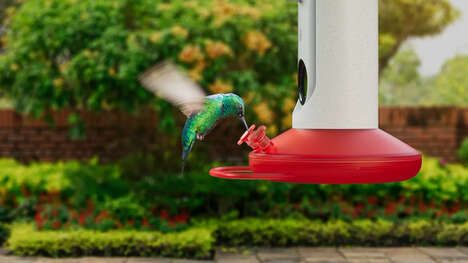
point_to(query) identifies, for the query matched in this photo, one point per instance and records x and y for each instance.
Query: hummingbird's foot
(200, 137)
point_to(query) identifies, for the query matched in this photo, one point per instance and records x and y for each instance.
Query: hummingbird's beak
(242, 118)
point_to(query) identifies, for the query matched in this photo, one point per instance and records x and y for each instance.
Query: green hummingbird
(217, 107)
(203, 112)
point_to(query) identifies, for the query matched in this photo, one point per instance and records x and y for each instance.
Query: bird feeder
(335, 137)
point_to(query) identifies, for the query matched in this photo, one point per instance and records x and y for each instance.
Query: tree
(451, 84)
(88, 54)
(5, 6)
(401, 84)
(402, 19)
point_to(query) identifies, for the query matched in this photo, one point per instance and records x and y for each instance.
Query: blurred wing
(171, 84)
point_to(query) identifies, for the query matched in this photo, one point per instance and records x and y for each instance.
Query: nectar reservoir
(335, 137)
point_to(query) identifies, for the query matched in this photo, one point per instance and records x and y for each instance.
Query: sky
(434, 51)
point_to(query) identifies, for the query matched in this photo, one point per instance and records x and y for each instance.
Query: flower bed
(104, 197)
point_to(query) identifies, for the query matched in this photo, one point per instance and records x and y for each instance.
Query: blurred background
(83, 145)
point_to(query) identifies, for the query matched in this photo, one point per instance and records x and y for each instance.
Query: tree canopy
(451, 83)
(88, 54)
(401, 83)
(402, 19)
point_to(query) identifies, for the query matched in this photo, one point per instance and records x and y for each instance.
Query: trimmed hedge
(199, 242)
(194, 243)
(4, 233)
(260, 232)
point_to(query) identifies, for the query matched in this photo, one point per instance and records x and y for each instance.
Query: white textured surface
(346, 45)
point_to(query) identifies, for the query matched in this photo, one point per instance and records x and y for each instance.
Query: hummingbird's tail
(182, 168)
(184, 157)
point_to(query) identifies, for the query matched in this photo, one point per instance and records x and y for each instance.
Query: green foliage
(463, 151)
(402, 19)
(98, 49)
(451, 83)
(270, 232)
(200, 241)
(403, 68)
(401, 83)
(4, 233)
(437, 190)
(193, 243)
(67, 195)
(74, 181)
(6, 7)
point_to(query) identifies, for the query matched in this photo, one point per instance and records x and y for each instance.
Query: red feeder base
(329, 157)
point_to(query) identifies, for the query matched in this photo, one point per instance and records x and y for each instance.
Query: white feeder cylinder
(338, 45)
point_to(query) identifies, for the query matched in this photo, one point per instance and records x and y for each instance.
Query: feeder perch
(335, 137)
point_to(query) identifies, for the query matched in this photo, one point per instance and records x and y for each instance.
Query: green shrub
(270, 232)
(193, 243)
(438, 191)
(463, 151)
(73, 181)
(101, 197)
(200, 241)
(99, 48)
(4, 233)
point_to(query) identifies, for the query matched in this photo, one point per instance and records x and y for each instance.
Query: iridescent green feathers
(168, 82)
(217, 107)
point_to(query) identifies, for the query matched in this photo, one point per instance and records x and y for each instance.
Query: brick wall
(435, 131)
(109, 135)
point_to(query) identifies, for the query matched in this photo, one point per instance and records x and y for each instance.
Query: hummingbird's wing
(173, 85)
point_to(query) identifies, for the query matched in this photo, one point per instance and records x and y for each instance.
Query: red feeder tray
(312, 156)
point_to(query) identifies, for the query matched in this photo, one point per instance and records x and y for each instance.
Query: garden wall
(109, 135)
(436, 131)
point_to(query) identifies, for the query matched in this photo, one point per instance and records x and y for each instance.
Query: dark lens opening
(302, 82)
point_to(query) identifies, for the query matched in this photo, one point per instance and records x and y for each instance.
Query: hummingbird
(217, 107)
(203, 112)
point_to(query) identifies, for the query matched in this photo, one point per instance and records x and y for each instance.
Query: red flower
(358, 209)
(145, 222)
(55, 212)
(56, 225)
(101, 216)
(409, 210)
(371, 214)
(181, 218)
(82, 218)
(164, 214)
(171, 223)
(422, 207)
(25, 191)
(455, 207)
(39, 220)
(118, 224)
(372, 200)
(402, 199)
(390, 208)
(90, 207)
